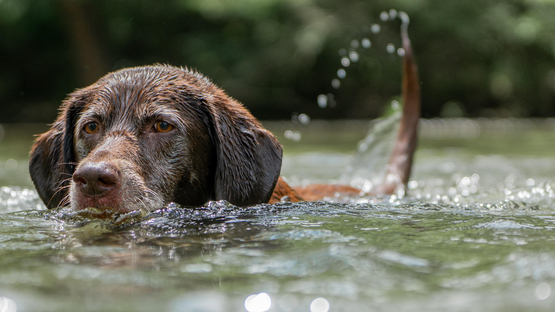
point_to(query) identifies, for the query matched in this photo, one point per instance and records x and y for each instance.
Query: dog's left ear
(52, 159)
(248, 156)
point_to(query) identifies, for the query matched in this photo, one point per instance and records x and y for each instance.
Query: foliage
(476, 57)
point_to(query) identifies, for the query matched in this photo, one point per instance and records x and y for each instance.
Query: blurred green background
(477, 58)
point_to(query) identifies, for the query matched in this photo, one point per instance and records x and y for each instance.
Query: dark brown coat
(140, 138)
(215, 150)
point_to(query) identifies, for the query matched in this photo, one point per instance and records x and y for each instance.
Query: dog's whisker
(59, 189)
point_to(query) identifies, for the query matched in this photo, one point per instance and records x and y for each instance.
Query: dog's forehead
(123, 92)
(158, 81)
(132, 98)
(142, 92)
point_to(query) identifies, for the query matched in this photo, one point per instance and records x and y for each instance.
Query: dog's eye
(91, 127)
(162, 126)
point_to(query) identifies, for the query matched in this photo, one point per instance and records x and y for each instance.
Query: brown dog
(143, 137)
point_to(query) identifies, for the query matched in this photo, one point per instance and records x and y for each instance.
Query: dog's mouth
(122, 203)
(81, 202)
(78, 203)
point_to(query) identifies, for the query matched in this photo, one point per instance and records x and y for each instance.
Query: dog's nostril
(107, 179)
(79, 180)
(96, 178)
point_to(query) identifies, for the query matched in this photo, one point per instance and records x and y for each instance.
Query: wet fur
(217, 150)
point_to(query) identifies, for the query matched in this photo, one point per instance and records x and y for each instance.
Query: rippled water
(474, 233)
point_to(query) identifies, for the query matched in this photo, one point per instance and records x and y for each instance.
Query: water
(474, 233)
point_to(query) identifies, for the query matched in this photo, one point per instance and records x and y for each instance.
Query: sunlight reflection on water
(320, 305)
(7, 305)
(17, 199)
(542, 291)
(258, 302)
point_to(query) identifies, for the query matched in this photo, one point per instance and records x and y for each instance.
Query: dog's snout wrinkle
(96, 179)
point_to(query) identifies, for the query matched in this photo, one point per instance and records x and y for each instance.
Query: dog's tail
(400, 163)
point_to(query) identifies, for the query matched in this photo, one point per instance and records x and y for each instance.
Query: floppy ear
(52, 157)
(248, 156)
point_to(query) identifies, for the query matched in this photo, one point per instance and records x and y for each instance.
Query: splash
(351, 55)
(367, 167)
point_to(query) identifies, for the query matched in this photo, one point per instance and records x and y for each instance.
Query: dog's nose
(96, 179)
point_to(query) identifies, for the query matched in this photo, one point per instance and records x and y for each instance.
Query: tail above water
(399, 166)
(400, 163)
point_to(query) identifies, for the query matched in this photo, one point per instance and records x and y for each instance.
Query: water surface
(474, 232)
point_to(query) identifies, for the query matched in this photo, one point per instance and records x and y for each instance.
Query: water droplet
(341, 73)
(412, 185)
(320, 305)
(304, 119)
(401, 52)
(342, 52)
(322, 100)
(366, 43)
(258, 302)
(345, 62)
(465, 181)
(384, 16)
(367, 186)
(390, 48)
(392, 14)
(335, 83)
(354, 43)
(292, 135)
(404, 17)
(353, 56)
(375, 28)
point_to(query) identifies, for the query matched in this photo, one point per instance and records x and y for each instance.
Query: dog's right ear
(52, 157)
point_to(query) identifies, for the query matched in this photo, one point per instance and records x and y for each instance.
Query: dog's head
(147, 136)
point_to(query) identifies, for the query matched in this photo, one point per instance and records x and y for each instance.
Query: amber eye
(91, 127)
(162, 126)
